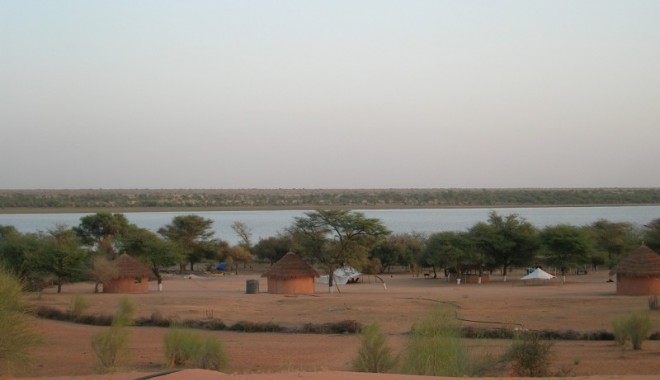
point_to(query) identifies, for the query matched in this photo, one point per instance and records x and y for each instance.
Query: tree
(62, 256)
(236, 254)
(400, 249)
(16, 252)
(334, 238)
(99, 231)
(613, 239)
(273, 248)
(652, 235)
(449, 250)
(191, 235)
(507, 241)
(149, 248)
(244, 233)
(565, 246)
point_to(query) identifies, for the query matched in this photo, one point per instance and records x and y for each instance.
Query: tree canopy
(192, 236)
(509, 240)
(333, 238)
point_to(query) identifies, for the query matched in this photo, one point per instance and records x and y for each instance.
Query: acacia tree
(449, 250)
(16, 252)
(62, 255)
(613, 239)
(400, 249)
(100, 230)
(334, 238)
(273, 248)
(565, 246)
(234, 255)
(507, 241)
(149, 248)
(245, 234)
(652, 235)
(191, 235)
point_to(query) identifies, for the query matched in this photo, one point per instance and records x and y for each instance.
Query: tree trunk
(159, 278)
(59, 285)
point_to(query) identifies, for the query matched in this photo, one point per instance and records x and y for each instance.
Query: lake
(268, 223)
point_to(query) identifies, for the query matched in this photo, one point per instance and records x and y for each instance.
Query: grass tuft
(188, 349)
(373, 355)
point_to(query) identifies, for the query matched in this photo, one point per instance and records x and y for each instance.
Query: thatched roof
(291, 266)
(130, 267)
(641, 262)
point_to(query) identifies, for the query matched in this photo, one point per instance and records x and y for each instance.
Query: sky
(329, 94)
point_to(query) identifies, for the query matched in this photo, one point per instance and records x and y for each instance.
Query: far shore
(85, 210)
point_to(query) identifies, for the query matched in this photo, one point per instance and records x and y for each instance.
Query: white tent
(342, 276)
(538, 274)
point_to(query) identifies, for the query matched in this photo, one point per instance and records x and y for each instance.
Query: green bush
(111, 345)
(111, 348)
(639, 328)
(530, 356)
(620, 330)
(373, 355)
(78, 306)
(634, 327)
(188, 349)
(435, 347)
(17, 337)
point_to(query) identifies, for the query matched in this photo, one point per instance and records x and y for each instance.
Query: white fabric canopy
(342, 276)
(538, 274)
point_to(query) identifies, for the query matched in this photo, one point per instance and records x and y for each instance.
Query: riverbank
(147, 200)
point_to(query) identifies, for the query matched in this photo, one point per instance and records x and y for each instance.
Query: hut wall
(127, 285)
(300, 285)
(637, 286)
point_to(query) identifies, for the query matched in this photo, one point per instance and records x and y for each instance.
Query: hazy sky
(329, 94)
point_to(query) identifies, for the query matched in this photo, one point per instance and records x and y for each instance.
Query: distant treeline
(320, 198)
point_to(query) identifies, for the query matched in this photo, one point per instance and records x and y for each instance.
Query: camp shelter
(538, 274)
(132, 276)
(291, 275)
(638, 274)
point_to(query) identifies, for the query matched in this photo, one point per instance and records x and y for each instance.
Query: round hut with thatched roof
(132, 276)
(291, 275)
(638, 274)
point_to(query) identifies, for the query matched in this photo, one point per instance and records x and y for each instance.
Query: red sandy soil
(584, 303)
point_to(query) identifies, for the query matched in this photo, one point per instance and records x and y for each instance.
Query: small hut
(638, 274)
(132, 276)
(291, 275)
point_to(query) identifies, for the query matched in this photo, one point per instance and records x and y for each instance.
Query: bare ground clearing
(584, 303)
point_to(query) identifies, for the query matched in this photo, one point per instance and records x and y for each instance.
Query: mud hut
(132, 276)
(638, 274)
(291, 275)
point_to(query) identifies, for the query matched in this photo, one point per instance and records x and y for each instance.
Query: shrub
(435, 347)
(186, 348)
(634, 327)
(16, 335)
(78, 306)
(620, 329)
(639, 327)
(373, 355)
(529, 355)
(111, 346)
(125, 314)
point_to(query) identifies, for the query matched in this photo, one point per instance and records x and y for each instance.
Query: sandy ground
(584, 303)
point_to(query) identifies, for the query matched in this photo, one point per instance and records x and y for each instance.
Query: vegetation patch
(187, 348)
